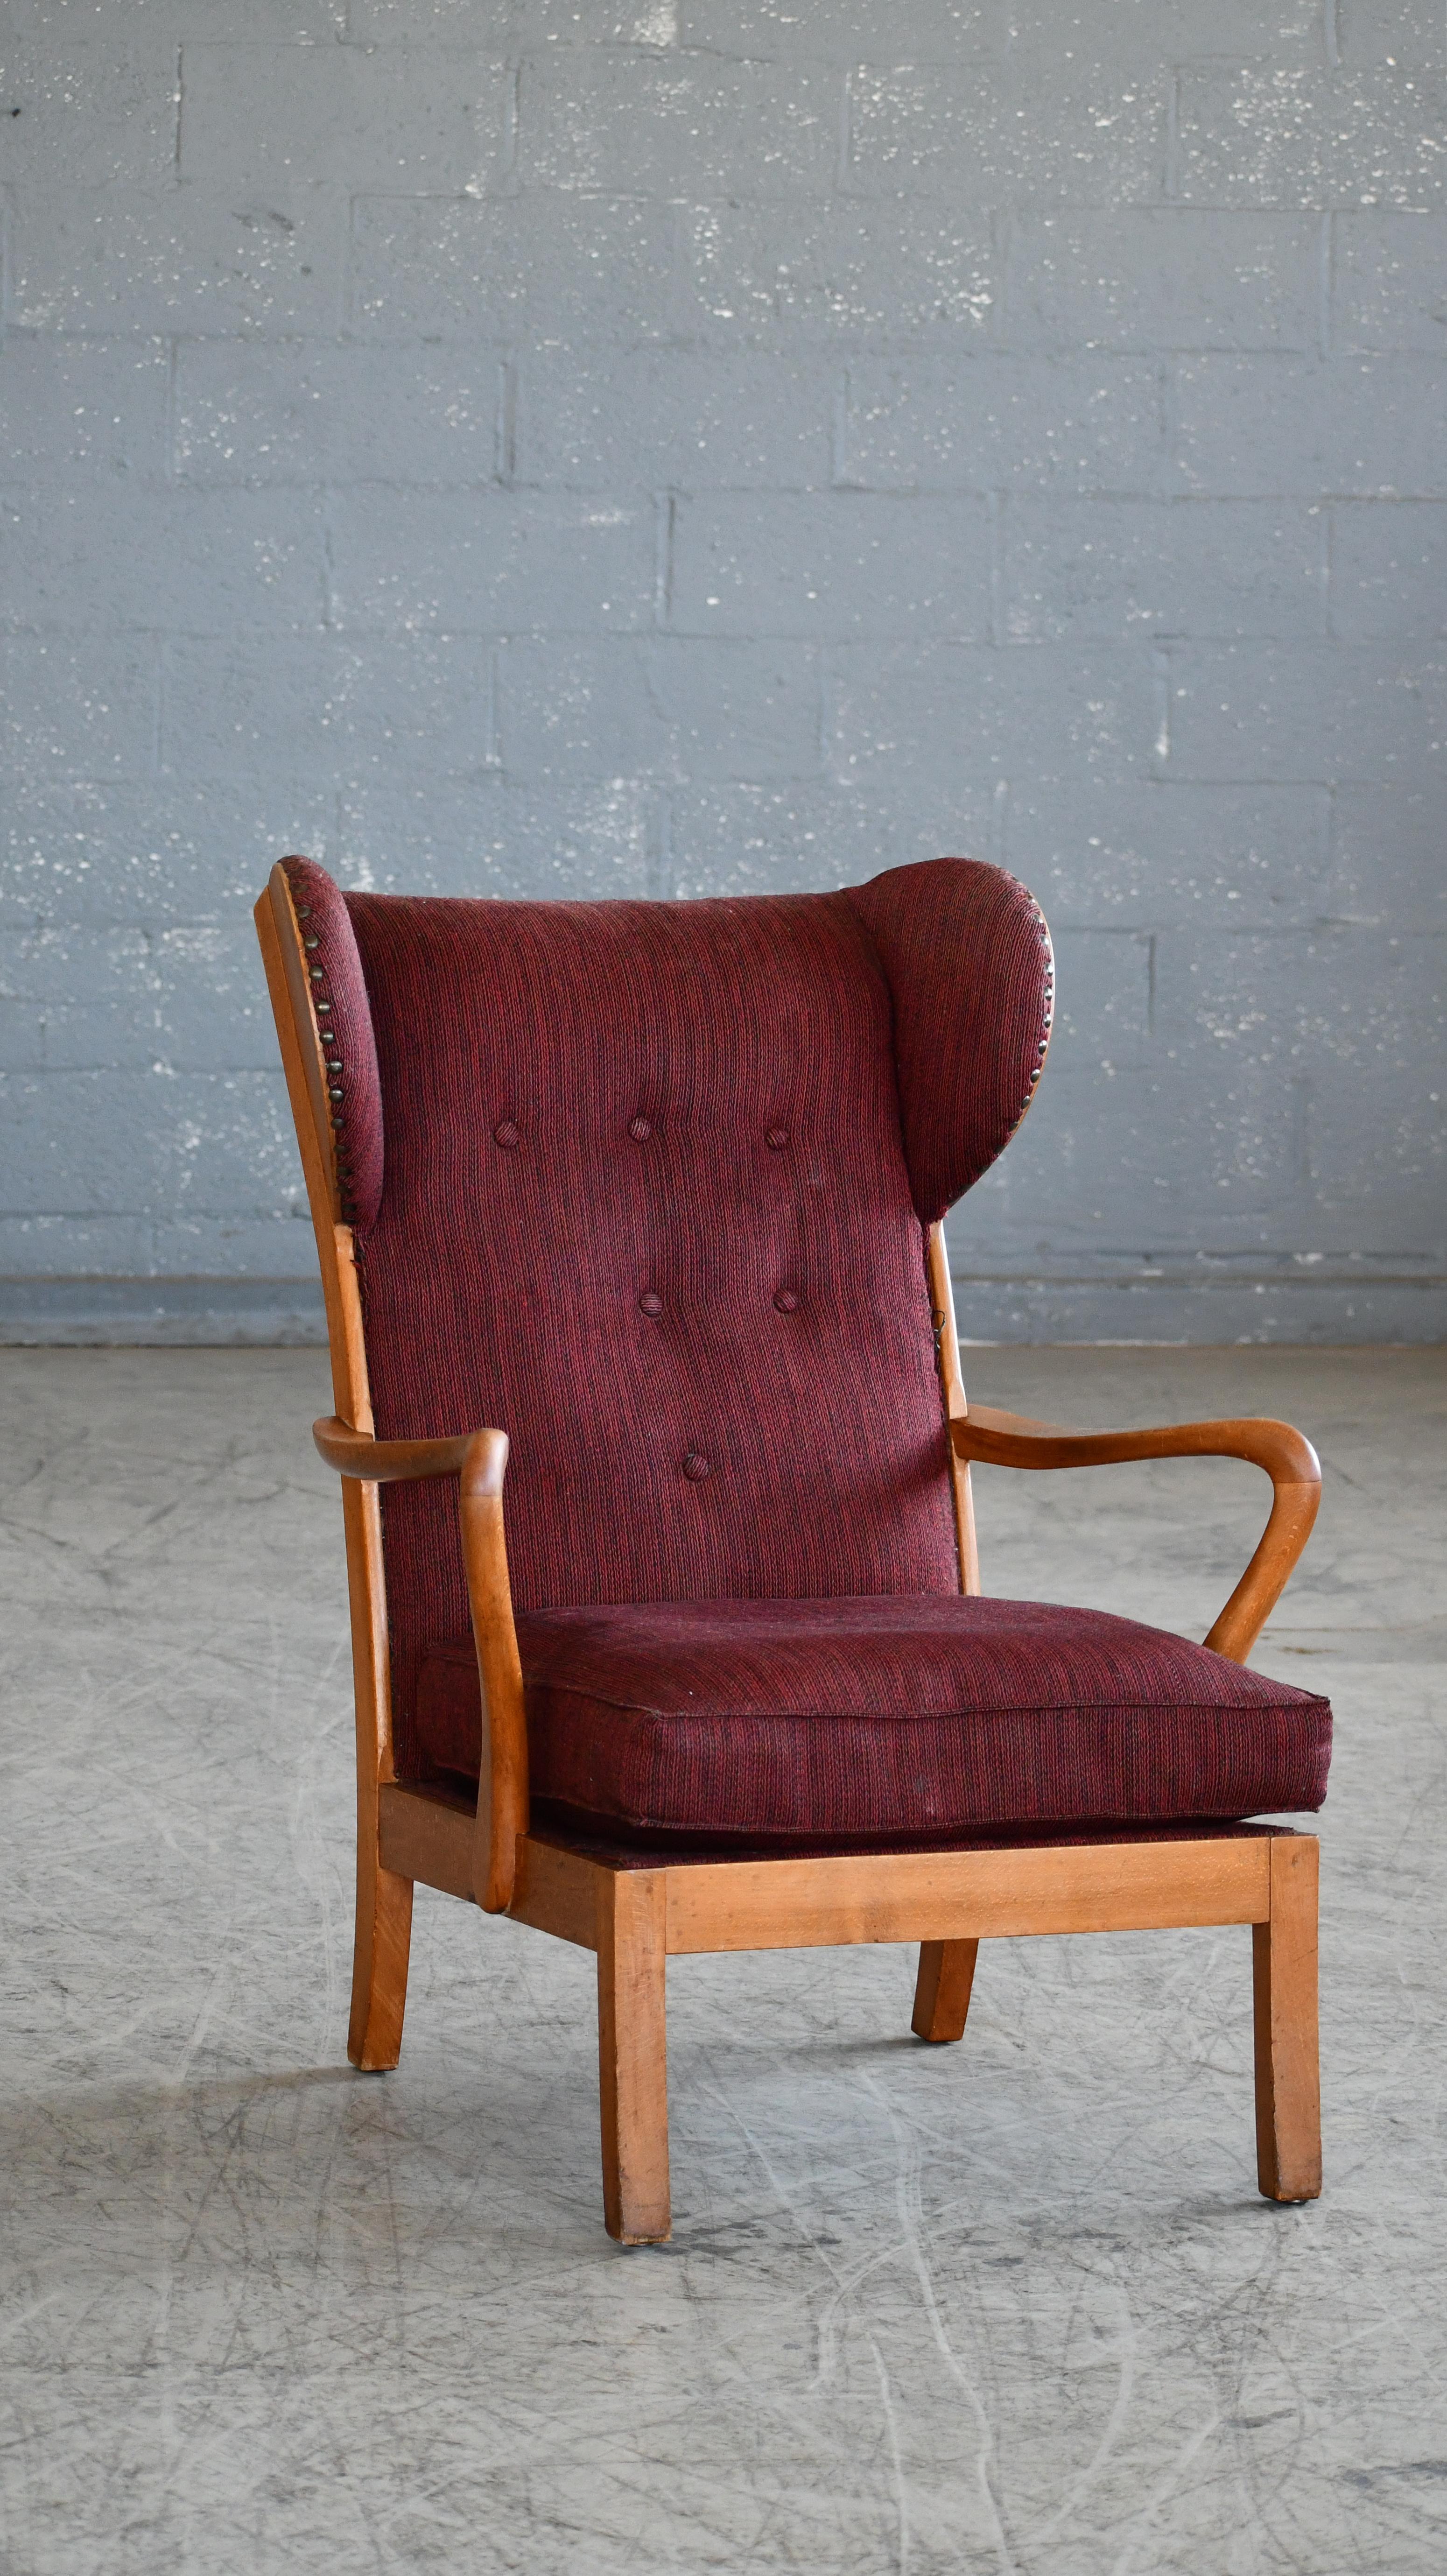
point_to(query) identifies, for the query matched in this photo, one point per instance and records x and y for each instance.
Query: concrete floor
(1010, 2307)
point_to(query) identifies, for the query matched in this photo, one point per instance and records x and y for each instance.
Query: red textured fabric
(967, 956)
(647, 1210)
(857, 1717)
(344, 1017)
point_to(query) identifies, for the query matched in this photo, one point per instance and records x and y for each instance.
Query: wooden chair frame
(636, 1918)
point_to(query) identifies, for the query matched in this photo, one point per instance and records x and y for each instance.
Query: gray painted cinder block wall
(592, 449)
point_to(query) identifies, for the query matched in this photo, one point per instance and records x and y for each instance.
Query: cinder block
(676, 707)
(514, 25)
(487, 836)
(1116, 1174)
(687, 125)
(1251, 711)
(831, 564)
(1149, 32)
(1243, 426)
(604, 419)
(1341, 1029)
(179, 22)
(1168, 853)
(45, 1247)
(157, 853)
(188, 1000)
(193, 259)
(1371, 1021)
(1098, 138)
(252, 114)
(77, 709)
(1389, 282)
(805, 837)
(851, 31)
(1104, 990)
(293, 413)
(82, 410)
(1187, 568)
(1268, 136)
(324, 709)
(95, 113)
(968, 718)
(1184, 1166)
(904, 270)
(22, 1033)
(1389, 569)
(109, 556)
(1400, 32)
(127, 1143)
(984, 422)
(515, 270)
(264, 1255)
(1386, 856)
(499, 563)
(1163, 277)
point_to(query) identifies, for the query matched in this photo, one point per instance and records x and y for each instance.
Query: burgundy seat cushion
(883, 1715)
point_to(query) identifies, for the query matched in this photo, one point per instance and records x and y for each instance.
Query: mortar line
(492, 748)
(1172, 187)
(505, 426)
(666, 508)
(846, 133)
(511, 122)
(172, 361)
(328, 569)
(1161, 679)
(997, 506)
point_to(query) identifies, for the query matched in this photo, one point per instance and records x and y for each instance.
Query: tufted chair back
(647, 1186)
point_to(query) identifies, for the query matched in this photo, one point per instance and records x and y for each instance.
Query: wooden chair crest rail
(744, 1562)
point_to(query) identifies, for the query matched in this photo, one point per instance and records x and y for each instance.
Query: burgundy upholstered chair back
(647, 1185)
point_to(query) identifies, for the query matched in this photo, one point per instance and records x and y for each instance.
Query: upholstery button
(776, 1139)
(696, 1468)
(785, 1300)
(640, 1130)
(650, 1302)
(504, 1133)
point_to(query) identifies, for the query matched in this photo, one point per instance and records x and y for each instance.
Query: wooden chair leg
(379, 1964)
(1288, 2082)
(942, 1989)
(632, 2054)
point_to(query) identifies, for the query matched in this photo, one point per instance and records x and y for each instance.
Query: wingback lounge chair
(641, 1202)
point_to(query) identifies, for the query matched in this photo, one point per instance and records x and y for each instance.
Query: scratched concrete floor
(1011, 2307)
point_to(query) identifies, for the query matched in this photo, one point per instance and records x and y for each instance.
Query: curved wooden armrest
(392, 1462)
(1009, 1440)
(479, 1460)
